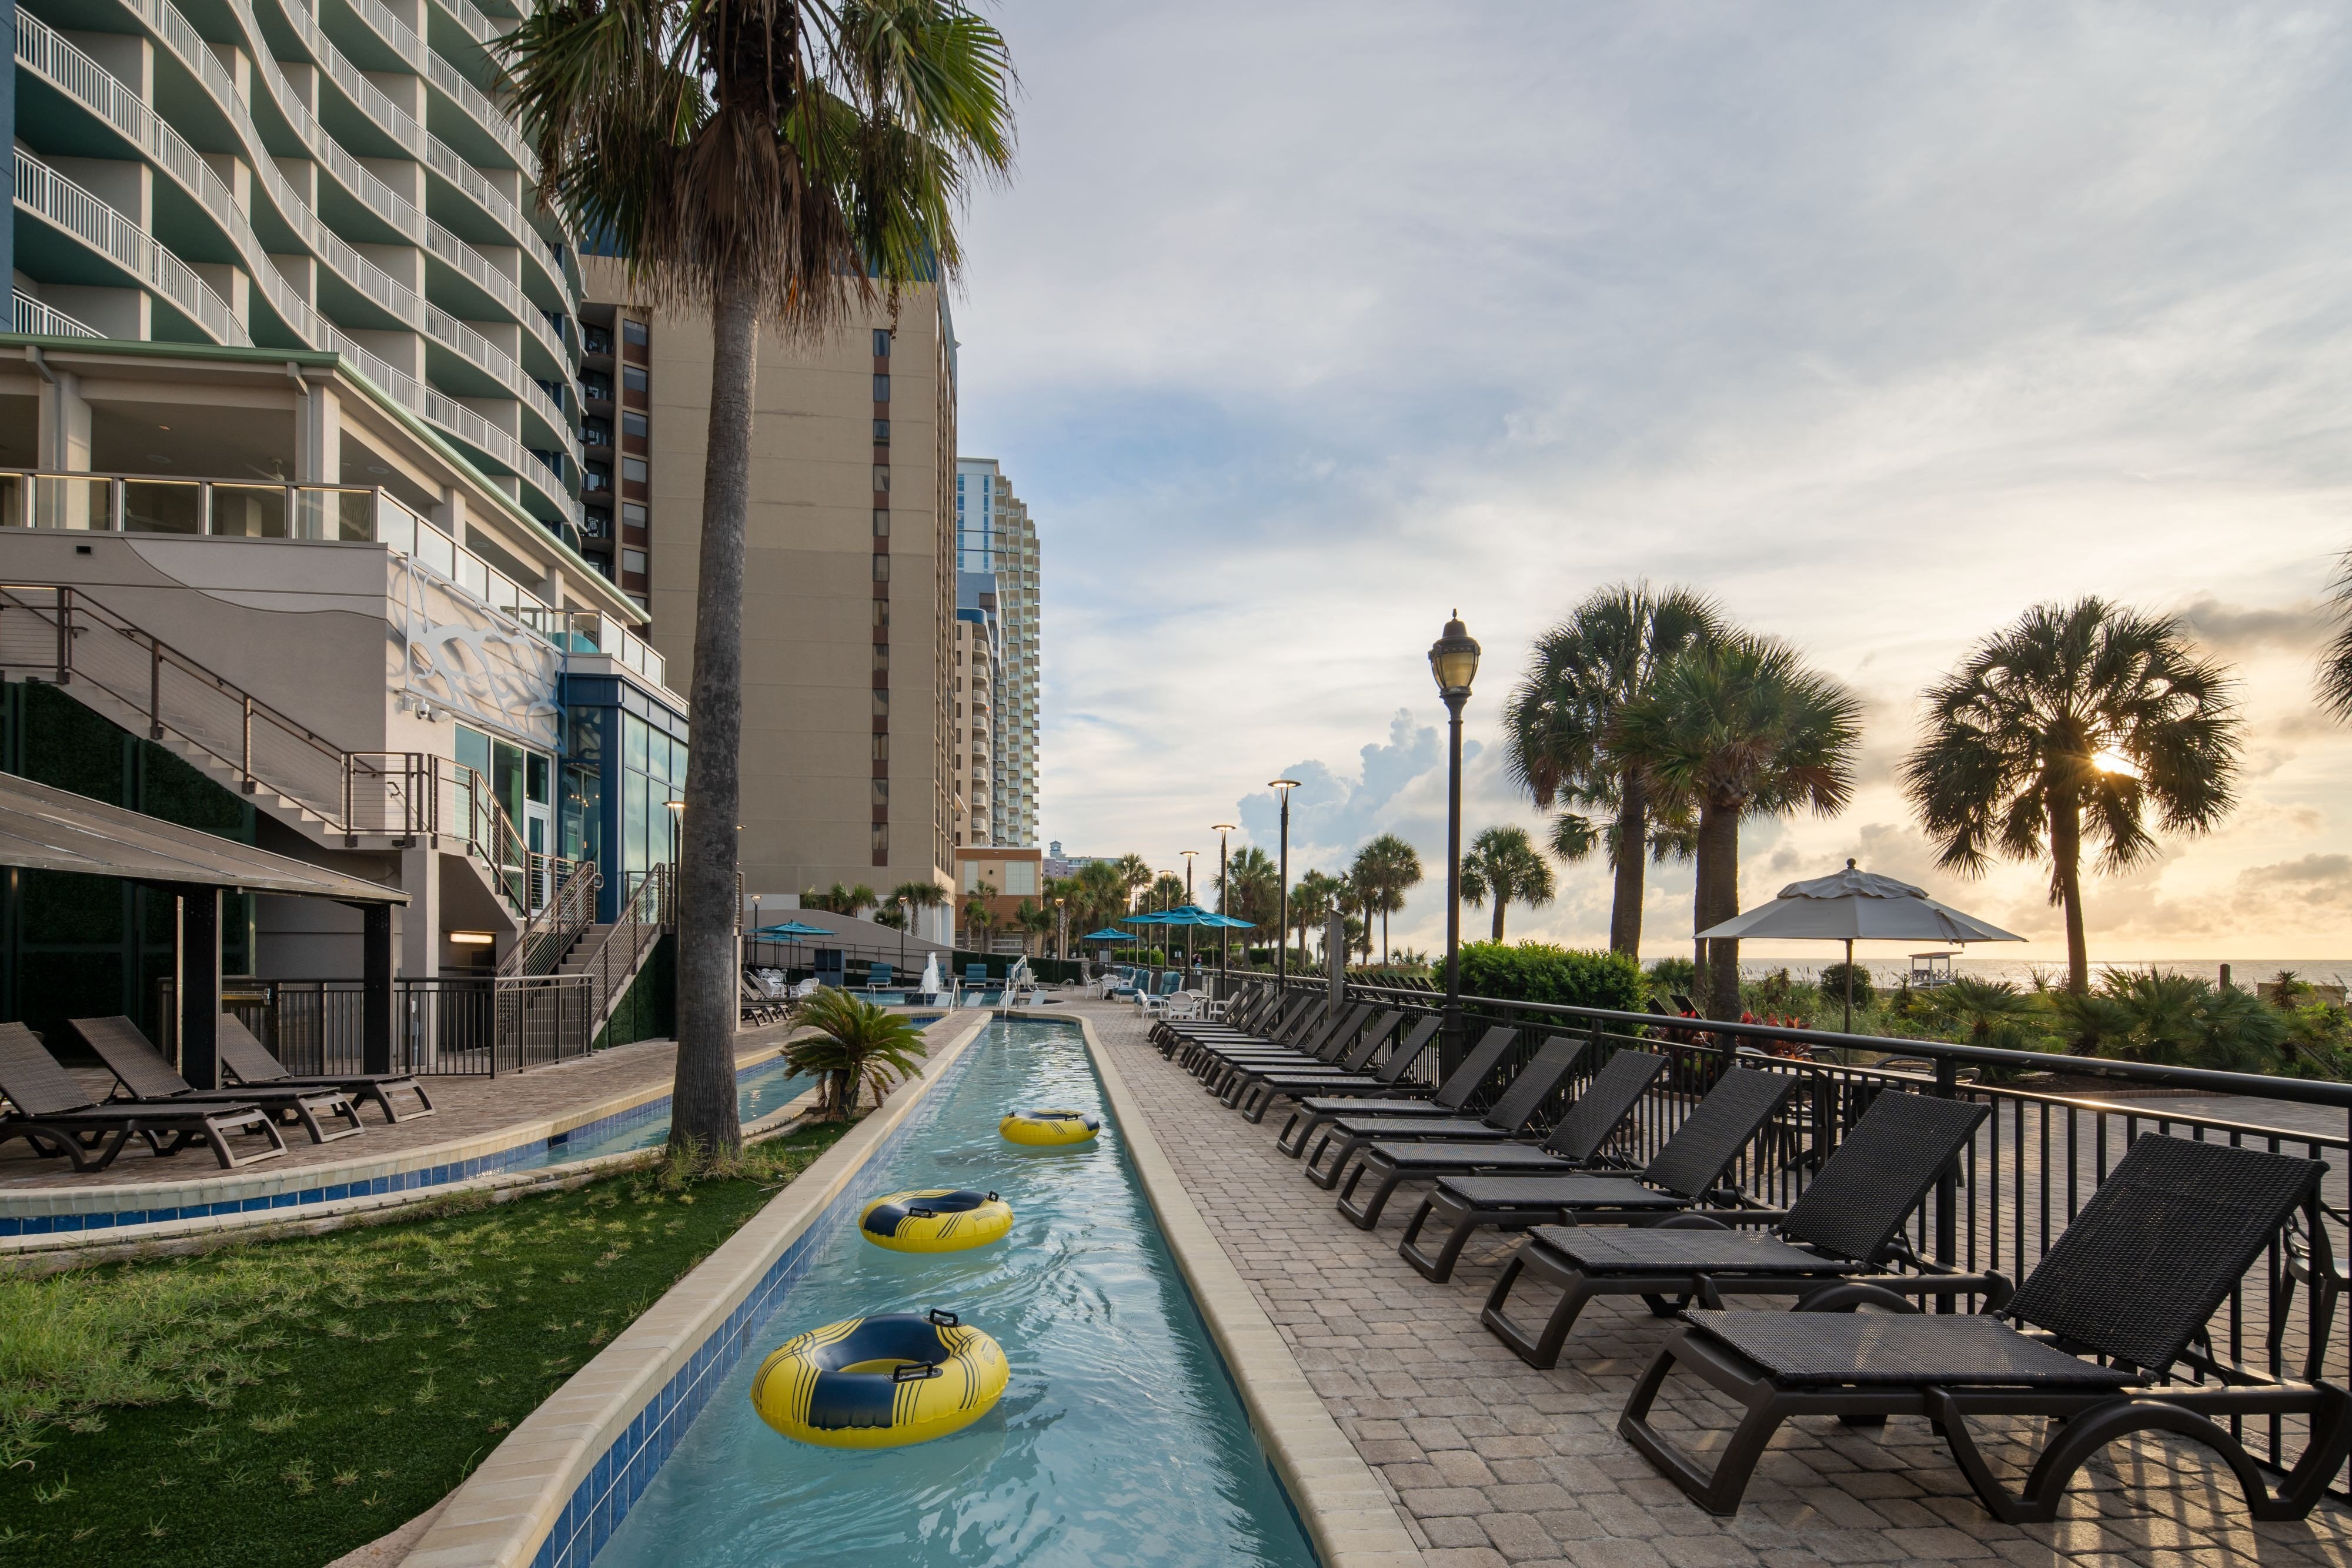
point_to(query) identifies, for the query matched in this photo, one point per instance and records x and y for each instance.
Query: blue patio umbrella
(789, 931)
(1109, 933)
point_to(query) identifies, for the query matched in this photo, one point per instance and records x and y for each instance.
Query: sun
(2107, 760)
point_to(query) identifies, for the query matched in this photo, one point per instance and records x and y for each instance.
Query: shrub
(856, 1044)
(1833, 985)
(1673, 974)
(1539, 972)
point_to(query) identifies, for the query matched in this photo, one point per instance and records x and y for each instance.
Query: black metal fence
(2028, 1169)
(453, 1025)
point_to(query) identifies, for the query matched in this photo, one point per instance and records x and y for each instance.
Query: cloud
(2233, 631)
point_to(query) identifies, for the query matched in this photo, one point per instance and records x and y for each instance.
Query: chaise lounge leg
(1366, 1216)
(1720, 1492)
(1327, 1177)
(1462, 1221)
(1540, 1350)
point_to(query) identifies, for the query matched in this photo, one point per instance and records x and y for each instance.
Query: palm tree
(1252, 886)
(856, 1043)
(2336, 660)
(1035, 920)
(1503, 864)
(1735, 726)
(1311, 898)
(1559, 728)
(2082, 718)
(770, 165)
(1102, 893)
(1394, 867)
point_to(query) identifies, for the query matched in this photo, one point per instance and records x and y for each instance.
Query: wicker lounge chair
(1276, 1019)
(1507, 1118)
(1310, 1116)
(1517, 1189)
(247, 1059)
(1287, 1031)
(1847, 1222)
(1250, 1014)
(1576, 1144)
(55, 1114)
(146, 1077)
(2131, 1282)
(1251, 1091)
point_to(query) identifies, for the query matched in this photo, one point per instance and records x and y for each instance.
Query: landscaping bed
(282, 1402)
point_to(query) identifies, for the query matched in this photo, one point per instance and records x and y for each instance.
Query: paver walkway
(464, 1107)
(1491, 1461)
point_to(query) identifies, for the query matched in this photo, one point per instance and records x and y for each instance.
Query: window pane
(633, 331)
(634, 470)
(634, 378)
(636, 424)
(637, 737)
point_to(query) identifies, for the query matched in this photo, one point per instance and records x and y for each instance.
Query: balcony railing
(38, 320)
(2028, 1170)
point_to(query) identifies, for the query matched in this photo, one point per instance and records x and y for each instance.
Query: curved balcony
(47, 55)
(484, 129)
(121, 254)
(35, 319)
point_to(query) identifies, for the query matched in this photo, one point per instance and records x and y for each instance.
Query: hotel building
(995, 536)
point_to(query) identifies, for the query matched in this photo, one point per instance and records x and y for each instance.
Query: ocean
(2021, 971)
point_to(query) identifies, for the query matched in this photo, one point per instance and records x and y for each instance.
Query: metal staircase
(333, 796)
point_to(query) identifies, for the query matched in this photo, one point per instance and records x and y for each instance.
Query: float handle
(942, 1318)
(914, 1372)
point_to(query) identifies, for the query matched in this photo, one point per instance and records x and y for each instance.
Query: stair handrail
(487, 832)
(636, 926)
(548, 932)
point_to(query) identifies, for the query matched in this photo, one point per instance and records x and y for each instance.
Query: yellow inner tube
(880, 1382)
(1049, 1129)
(936, 1219)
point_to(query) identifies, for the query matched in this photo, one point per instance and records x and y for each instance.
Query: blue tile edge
(627, 1467)
(492, 1163)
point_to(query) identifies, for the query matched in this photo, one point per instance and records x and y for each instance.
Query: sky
(1300, 327)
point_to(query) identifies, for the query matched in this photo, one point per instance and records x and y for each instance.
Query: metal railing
(77, 211)
(448, 1026)
(643, 916)
(563, 906)
(2028, 1170)
(35, 319)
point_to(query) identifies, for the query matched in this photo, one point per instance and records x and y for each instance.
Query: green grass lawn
(284, 1401)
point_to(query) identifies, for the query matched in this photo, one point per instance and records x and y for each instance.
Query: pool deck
(1490, 1462)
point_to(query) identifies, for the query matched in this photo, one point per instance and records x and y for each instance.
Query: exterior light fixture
(1453, 664)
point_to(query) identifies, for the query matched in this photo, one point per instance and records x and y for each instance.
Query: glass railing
(147, 503)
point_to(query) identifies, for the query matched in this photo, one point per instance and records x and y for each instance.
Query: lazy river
(1120, 1438)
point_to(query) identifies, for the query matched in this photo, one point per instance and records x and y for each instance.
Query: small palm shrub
(1833, 985)
(856, 1044)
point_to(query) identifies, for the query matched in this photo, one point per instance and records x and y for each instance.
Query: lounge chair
(878, 977)
(1310, 1116)
(1341, 1044)
(1517, 1188)
(2131, 1282)
(1247, 1015)
(55, 1114)
(1506, 1118)
(1320, 1046)
(1384, 1085)
(1297, 1034)
(1849, 1220)
(247, 1059)
(145, 1076)
(1251, 1086)
(1274, 1019)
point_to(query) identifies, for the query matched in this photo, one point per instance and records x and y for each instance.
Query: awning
(56, 830)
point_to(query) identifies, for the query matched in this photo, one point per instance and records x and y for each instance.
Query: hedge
(1539, 972)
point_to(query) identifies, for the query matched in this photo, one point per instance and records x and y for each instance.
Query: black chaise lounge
(146, 1077)
(1508, 1117)
(1249, 1014)
(1386, 1084)
(1308, 1116)
(1688, 1170)
(1572, 1147)
(55, 1114)
(1848, 1222)
(1292, 1027)
(1354, 1059)
(254, 1064)
(1322, 1045)
(2131, 1282)
(1252, 1092)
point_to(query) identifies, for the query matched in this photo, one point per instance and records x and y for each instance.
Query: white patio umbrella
(1856, 906)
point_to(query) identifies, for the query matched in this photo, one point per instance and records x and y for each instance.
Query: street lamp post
(1282, 933)
(1225, 888)
(906, 917)
(1189, 855)
(1061, 932)
(1453, 663)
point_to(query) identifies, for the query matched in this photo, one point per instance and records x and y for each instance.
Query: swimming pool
(763, 1088)
(1119, 1439)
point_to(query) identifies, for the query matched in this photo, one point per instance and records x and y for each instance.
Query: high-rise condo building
(291, 460)
(849, 759)
(996, 536)
(979, 655)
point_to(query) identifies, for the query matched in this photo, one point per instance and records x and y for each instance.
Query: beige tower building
(849, 587)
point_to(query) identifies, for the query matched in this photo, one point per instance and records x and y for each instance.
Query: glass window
(1020, 876)
(881, 843)
(636, 847)
(634, 514)
(507, 777)
(881, 569)
(881, 477)
(881, 433)
(633, 331)
(633, 469)
(881, 343)
(639, 736)
(636, 424)
(634, 378)
(634, 560)
(535, 779)
(582, 811)
(882, 521)
(881, 389)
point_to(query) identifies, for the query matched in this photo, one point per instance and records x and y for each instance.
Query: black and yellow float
(936, 1219)
(1049, 1129)
(880, 1382)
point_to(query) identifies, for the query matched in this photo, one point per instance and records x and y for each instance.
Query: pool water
(767, 1089)
(1119, 1439)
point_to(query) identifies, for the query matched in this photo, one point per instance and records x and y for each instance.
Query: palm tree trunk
(2066, 882)
(702, 1099)
(1498, 917)
(1718, 900)
(1632, 850)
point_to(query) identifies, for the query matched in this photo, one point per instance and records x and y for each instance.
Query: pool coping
(1347, 1512)
(557, 1471)
(89, 1216)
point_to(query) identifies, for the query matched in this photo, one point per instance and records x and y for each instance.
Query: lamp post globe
(1453, 664)
(1283, 787)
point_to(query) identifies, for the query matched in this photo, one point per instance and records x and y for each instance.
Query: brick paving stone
(1466, 1436)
